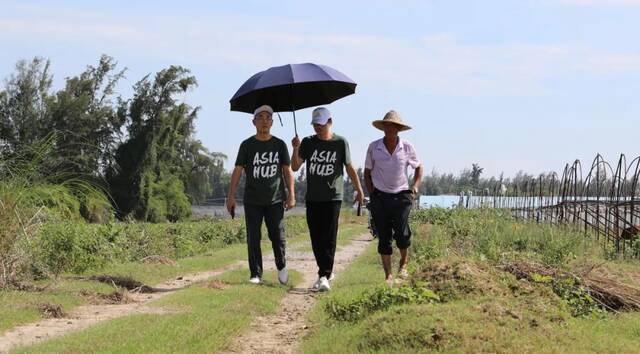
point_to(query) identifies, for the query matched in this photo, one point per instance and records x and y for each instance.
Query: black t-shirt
(262, 162)
(324, 161)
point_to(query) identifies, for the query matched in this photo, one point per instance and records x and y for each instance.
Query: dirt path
(281, 332)
(85, 316)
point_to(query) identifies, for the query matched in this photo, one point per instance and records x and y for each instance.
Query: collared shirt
(389, 171)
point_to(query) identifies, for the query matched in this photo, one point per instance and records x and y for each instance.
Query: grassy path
(183, 307)
(281, 331)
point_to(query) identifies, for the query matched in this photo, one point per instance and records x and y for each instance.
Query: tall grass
(494, 235)
(32, 193)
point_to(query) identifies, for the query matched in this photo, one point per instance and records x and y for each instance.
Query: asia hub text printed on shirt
(321, 163)
(265, 165)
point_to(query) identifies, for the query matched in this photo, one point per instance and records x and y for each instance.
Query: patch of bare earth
(103, 307)
(281, 332)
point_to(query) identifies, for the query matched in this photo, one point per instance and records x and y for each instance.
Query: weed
(380, 298)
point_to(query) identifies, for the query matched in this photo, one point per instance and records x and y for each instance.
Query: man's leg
(314, 222)
(379, 213)
(401, 230)
(253, 215)
(275, 227)
(404, 260)
(330, 241)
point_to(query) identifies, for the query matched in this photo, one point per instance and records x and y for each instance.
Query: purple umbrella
(291, 87)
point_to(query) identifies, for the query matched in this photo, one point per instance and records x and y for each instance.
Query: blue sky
(511, 85)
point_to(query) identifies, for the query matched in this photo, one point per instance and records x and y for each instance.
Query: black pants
(322, 219)
(390, 214)
(272, 215)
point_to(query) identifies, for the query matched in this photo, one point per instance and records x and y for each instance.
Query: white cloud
(440, 64)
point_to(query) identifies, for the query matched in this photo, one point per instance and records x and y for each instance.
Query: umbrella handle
(295, 127)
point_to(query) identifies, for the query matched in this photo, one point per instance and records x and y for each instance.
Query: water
(442, 201)
(220, 211)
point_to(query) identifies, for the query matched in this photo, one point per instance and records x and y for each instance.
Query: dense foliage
(140, 151)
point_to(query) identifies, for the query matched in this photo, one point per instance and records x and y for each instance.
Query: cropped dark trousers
(390, 214)
(322, 219)
(272, 215)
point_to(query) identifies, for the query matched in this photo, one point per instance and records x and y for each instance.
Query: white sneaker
(332, 276)
(283, 275)
(316, 285)
(255, 280)
(324, 284)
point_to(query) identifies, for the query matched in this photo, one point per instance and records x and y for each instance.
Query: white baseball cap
(263, 108)
(320, 116)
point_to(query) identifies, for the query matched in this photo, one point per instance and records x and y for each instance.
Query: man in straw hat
(325, 155)
(266, 164)
(391, 194)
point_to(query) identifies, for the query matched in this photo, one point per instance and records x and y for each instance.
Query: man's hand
(291, 202)
(414, 192)
(360, 197)
(231, 206)
(295, 142)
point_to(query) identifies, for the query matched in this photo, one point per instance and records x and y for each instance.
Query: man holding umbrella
(325, 154)
(265, 161)
(286, 88)
(391, 194)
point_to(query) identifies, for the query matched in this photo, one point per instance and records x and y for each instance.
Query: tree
(476, 171)
(149, 176)
(23, 105)
(85, 115)
(202, 171)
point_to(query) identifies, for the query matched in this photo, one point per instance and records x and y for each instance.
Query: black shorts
(390, 214)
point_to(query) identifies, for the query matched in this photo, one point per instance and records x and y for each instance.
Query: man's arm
(417, 179)
(233, 185)
(296, 161)
(288, 178)
(353, 175)
(367, 181)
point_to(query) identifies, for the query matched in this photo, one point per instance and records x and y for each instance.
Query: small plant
(579, 301)
(380, 298)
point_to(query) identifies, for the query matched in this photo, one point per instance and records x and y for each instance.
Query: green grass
(21, 307)
(336, 337)
(482, 309)
(205, 320)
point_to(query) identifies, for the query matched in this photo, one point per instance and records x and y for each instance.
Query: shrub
(380, 298)
(77, 246)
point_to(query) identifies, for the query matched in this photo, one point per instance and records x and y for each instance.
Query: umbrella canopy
(291, 87)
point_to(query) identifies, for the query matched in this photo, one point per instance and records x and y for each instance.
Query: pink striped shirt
(389, 171)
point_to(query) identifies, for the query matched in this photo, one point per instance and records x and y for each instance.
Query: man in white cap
(266, 164)
(325, 154)
(391, 194)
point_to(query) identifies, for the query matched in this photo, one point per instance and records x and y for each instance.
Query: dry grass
(119, 296)
(609, 292)
(51, 310)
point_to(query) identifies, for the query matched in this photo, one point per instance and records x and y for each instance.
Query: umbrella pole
(295, 127)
